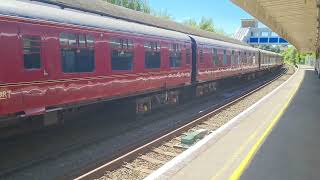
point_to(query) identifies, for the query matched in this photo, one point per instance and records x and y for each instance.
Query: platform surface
(291, 150)
(288, 152)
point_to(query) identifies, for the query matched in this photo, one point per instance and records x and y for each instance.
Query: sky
(224, 13)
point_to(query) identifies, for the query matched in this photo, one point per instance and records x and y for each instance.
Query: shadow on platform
(291, 150)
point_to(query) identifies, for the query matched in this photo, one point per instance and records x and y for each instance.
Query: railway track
(151, 152)
(143, 160)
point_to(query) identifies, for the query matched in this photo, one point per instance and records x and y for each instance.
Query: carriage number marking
(5, 95)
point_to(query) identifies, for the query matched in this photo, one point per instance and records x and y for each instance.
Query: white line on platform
(177, 163)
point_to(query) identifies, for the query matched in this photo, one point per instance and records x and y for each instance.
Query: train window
(115, 43)
(68, 39)
(122, 60)
(152, 55)
(77, 60)
(32, 52)
(90, 41)
(152, 46)
(76, 54)
(152, 60)
(64, 39)
(232, 57)
(122, 54)
(121, 43)
(175, 55)
(215, 57)
(201, 55)
(82, 40)
(188, 56)
(245, 58)
(225, 61)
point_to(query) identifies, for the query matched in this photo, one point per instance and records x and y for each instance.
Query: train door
(33, 56)
(194, 60)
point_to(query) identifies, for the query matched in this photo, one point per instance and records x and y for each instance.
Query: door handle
(45, 73)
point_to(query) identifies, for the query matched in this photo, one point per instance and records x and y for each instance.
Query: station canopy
(294, 20)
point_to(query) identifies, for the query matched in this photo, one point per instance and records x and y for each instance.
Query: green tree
(191, 23)
(137, 5)
(143, 6)
(293, 56)
(273, 48)
(204, 24)
(162, 14)
(207, 24)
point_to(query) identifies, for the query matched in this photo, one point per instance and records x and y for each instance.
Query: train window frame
(188, 56)
(175, 56)
(77, 57)
(29, 50)
(152, 50)
(124, 48)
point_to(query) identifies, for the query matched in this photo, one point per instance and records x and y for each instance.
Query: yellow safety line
(247, 160)
(252, 137)
(235, 155)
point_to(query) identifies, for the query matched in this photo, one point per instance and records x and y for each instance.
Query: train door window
(82, 40)
(77, 54)
(215, 57)
(245, 58)
(152, 59)
(175, 55)
(32, 52)
(89, 41)
(188, 56)
(201, 55)
(225, 61)
(232, 57)
(121, 54)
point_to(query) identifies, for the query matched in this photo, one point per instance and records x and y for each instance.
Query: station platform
(276, 138)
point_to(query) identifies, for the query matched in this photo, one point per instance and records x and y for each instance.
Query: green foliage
(138, 5)
(289, 55)
(275, 49)
(162, 14)
(143, 6)
(204, 24)
(207, 24)
(191, 22)
(292, 56)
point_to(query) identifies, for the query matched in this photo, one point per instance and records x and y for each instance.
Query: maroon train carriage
(54, 59)
(270, 60)
(219, 59)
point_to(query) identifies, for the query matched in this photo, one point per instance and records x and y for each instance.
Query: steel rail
(100, 170)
